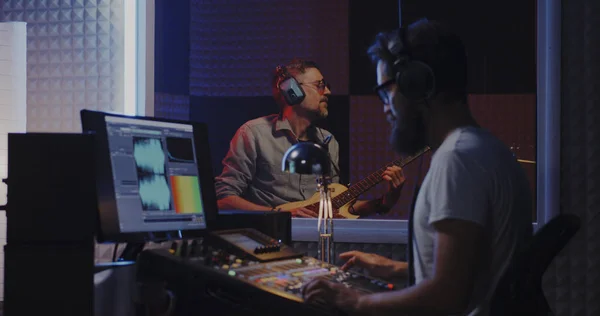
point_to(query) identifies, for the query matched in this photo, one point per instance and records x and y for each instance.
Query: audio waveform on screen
(150, 160)
(149, 155)
(180, 149)
(155, 193)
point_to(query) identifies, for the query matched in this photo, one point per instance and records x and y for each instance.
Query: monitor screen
(155, 174)
(152, 176)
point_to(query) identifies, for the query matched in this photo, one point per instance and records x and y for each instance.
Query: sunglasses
(320, 85)
(383, 91)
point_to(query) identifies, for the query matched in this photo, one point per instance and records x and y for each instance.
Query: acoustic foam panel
(235, 45)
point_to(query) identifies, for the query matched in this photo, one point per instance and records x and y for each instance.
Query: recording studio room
(315, 157)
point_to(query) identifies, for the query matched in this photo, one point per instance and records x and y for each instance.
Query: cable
(325, 144)
(114, 256)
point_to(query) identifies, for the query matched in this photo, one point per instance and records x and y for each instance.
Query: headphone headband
(415, 79)
(398, 47)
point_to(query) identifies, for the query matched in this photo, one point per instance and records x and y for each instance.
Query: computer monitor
(154, 177)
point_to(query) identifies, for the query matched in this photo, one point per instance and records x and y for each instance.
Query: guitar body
(336, 189)
(348, 199)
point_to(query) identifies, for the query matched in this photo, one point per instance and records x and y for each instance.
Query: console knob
(183, 249)
(173, 249)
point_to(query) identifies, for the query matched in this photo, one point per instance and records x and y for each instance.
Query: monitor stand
(131, 251)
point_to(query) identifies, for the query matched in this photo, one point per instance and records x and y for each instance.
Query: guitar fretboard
(370, 181)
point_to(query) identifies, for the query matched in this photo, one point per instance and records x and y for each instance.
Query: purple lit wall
(235, 45)
(214, 60)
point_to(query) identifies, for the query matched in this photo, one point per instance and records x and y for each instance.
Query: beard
(314, 113)
(408, 134)
(322, 112)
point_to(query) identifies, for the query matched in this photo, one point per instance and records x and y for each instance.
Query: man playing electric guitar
(344, 199)
(252, 178)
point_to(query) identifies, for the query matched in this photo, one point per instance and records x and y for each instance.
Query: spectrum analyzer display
(155, 175)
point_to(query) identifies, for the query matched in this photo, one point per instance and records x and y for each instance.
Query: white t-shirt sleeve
(459, 190)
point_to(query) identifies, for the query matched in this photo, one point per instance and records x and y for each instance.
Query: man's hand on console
(321, 291)
(377, 266)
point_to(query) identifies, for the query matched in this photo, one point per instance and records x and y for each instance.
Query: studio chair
(520, 289)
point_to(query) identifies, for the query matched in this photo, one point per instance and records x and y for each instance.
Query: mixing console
(239, 273)
(288, 276)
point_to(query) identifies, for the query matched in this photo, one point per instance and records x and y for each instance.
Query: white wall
(74, 62)
(74, 55)
(13, 94)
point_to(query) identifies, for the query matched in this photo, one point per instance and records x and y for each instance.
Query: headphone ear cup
(292, 91)
(416, 81)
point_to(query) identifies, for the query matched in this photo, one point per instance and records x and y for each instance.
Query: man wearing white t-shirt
(472, 213)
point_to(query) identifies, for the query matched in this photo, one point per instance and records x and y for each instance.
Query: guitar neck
(373, 179)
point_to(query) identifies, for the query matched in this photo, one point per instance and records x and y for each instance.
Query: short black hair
(294, 67)
(432, 43)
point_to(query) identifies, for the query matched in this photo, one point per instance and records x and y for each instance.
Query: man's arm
(457, 257)
(360, 207)
(458, 213)
(233, 202)
(371, 207)
(395, 179)
(239, 166)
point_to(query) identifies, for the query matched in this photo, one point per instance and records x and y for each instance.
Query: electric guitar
(342, 197)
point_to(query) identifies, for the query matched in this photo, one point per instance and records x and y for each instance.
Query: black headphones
(289, 87)
(414, 78)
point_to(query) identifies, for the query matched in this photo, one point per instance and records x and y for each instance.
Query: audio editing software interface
(155, 174)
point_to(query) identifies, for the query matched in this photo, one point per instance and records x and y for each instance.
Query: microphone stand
(325, 250)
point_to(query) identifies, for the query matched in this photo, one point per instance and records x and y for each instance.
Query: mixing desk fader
(287, 277)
